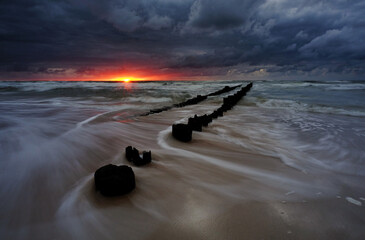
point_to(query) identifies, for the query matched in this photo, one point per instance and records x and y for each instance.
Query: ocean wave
(323, 85)
(346, 87)
(264, 175)
(135, 91)
(148, 99)
(294, 84)
(8, 89)
(108, 92)
(304, 107)
(301, 140)
(84, 92)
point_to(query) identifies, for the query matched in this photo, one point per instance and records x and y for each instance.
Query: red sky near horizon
(134, 73)
(130, 73)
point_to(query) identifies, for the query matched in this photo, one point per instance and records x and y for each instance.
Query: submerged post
(182, 132)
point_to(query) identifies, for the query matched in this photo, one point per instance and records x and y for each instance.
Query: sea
(54, 135)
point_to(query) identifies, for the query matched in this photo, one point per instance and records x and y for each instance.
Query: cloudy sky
(182, 39)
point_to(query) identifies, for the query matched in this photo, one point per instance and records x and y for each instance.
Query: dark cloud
(227, 39)
(220, 15)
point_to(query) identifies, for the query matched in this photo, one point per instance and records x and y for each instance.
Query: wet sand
(213, 187)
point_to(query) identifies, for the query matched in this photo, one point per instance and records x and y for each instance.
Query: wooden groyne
(183, 132)
(191, 101)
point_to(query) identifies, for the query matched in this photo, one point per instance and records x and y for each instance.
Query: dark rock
(182, 132)
(111, 180)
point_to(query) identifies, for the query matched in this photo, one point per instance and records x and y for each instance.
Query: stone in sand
(111, 180)
(182, 132)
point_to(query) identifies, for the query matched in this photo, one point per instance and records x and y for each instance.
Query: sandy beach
(213, 187)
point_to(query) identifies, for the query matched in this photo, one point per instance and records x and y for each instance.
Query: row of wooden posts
(183, 132)
(191, 101)
(111, 180)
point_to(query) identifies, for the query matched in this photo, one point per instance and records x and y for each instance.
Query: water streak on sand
(258, 174)
(353, 201)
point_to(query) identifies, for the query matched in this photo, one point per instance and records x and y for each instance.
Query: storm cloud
(232, 39)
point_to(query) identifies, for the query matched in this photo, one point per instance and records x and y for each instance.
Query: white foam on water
(251, 130)
(341, 87)
(261, 175)
(148, 99)
(80, 124)
(289, 193)
(330, 142)
(304, 107)
(72, 201)
(353, 201)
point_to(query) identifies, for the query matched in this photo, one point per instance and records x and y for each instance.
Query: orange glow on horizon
(132, 75)
(126, 79)
(137, 75)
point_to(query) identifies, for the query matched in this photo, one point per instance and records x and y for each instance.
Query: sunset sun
(126, 79)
